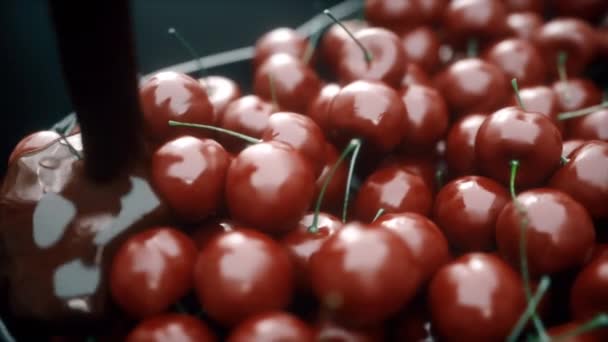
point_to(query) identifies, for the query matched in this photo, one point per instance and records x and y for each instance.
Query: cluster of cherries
(437, 243)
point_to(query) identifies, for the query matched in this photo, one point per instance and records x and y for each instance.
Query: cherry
(584, 177)
(460, 144)
(207, 231)
(592, 126)
(370, 110)
(477, 19)
(288, 82)
(397, 15)
(395, 190)
(477, 297)
(518, 58)
(473, 86)
(241, 273)
(189, 173)
(331, 331)
(152, 270)
(576, 94)
(421, 46)
(33, 142)
(335, 37)
(540, 99)
(221, 91)
(247, 115)
(272, 326)
(277, 178)
(523, 24)
(426, 119)
(589, 10)
(414, 74)
(279, 40)
(173, 96)
(559, 231)
(414, 324)
(171, 327)
(427, 243)
(364, 273)
(537, 6)
(571, 36)
(301, 243)
(513, 134)
(422, 166)
(432, 10)
(601, 41)
(318, 109)
(588, 295)
(334, 193)
(569, 146)
(466, 209)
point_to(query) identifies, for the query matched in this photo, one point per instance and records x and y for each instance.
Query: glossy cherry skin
(592, 126)
(477, 297)
(241, 273)
(589, 295)
(589, 10)
(364, 273)
(414, 74)
(479, 19)
(368, 110)
(559, 233)
(334, 38)
(248, 115)
(171, 327)
(332, 331)
(513, 134)
(540, 99)
(272, 326)
(302, 244)
(334, 193)
(189, 173)
(460, 144)
(601, 40)
(302, 133)
(537, 6)
(421, 47)
(277, 178)
(221, 91)
(519, 59)
(523, 24)
(387, 58)
(576, 94)
(396, 15)
(584, 177)
(473, 86)
(174, 96)
(422, 237)
(152, 270)
(279, 40)
(570, 145)
(33, 142)
(466, 209)
(295, 84)
(318, 109)
(395, 190)
(570, 326)
(415, 324)
(426, 120)
(207, 231)
(572, 36)
(420, 165)
(432, 10)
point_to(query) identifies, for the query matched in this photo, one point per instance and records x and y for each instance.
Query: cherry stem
(245, 137)
(516, 91)
(195, 55)
(352, 145)
(71, 147)
(349, 179)
(562, 59)
(599, 321)
(273, 93)
(378, 214)
(523, 244)
(179, 307)
(312, 45)
(545, 282)
(366, 54)
(472, 47)
(582, 112)
(564, 160)
(439, 177)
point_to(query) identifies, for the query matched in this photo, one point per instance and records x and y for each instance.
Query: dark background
(33, 95)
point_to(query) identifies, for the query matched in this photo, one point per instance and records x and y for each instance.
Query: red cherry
(189, 173)
(369, 110)
(513, 134)
(415, 75)
(364, 273)
(397, 15)
(519, 59)
(171, 327)
(332, 331)
(589, 10)
(422, 166)
(479, 19)
(589, 295)
(152, 270)
(415, 325)
(301, 243)
(477, 297)
(523, 24)
(174, 96)
(537, 6)
(559, 232)
(421, 47)
(433, 10)
(387, 63)
(209, 230)
(427, 243)
(540, 99)
(318, 109)
(466, 209)
(472, 85)
(221, 91)
(576, 94)
(566, 328)
(460, 144)
(241, 273)
(32, 142)
(584, 177)
(248, 115)
(592, 126)
(272, 326)
(334, 193)
(395, 190)
(570, 145)
(279, 40)
(334, 38)
(295, 84)
(277, 178)
(601, 41)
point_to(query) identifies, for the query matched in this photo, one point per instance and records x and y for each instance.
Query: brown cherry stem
(242, 136)
(543, 286)
(582, 112)
(378, 214)
(516, 91)
(366, 54)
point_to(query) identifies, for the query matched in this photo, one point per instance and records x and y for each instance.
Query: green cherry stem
(311, 47)
(597, 322)
(582, 112)
(352, 145)
(517, 96)
(545, 282)
(366, 54)
(245, 137)
(273, 92)
(180, 308)
(564, 160)
(195, 55)
(472, 47)
(349, 179)
(71, 147)
(439, 177)
(562, 59)
(378, 214)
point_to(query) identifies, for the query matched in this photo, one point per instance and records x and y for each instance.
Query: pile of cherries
(478, 211)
